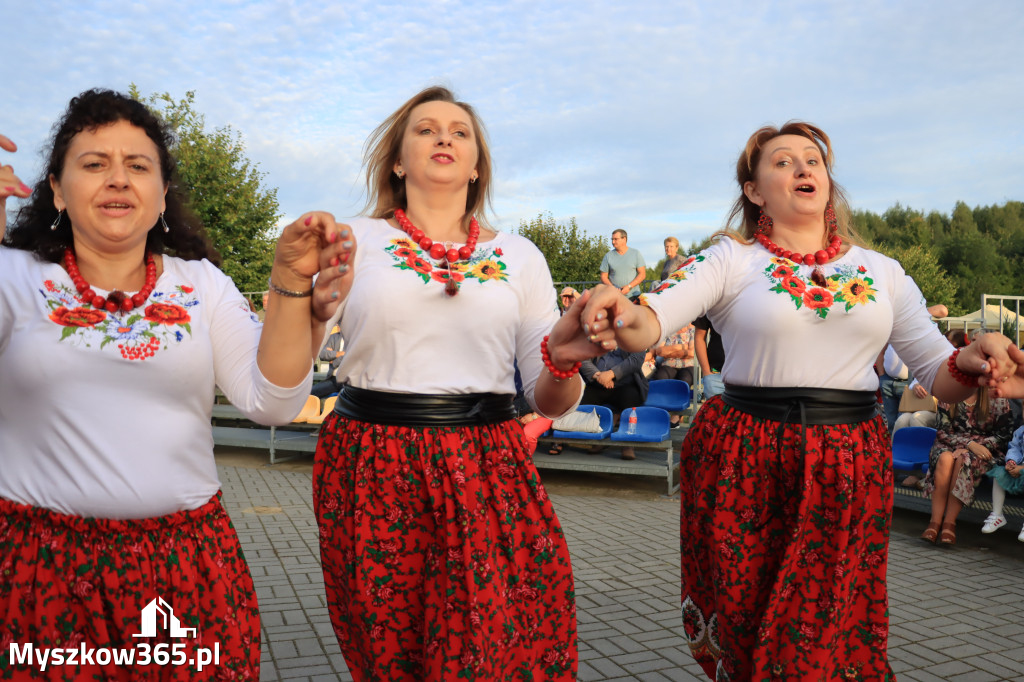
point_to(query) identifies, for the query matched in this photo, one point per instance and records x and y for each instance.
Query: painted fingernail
(586, 329)
(9, 189)
(334, 295)
(344, 233)
(343, 257)
(619, 324)
(984, 367)
(343, 268)
(334, 261)
(332, 237)
(26, 188)
(346, 245)
(600, 316)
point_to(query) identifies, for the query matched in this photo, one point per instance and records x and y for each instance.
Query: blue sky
(620, 115)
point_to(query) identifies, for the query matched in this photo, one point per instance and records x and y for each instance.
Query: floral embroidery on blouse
(849, 286)
(485, 265)
(675, 277)
(139, 333)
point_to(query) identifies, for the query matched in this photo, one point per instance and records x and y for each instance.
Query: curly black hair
(90, 110)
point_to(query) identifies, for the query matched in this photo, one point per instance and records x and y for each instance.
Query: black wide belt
(803, 405)
(417, 409)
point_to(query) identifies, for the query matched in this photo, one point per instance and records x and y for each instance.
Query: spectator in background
(623, 267)
(970, 438)
(1006, 478)
(672, 258)
(957, 337)
(894, 379)
(710, 354)
(615, 379)
(567, 298)
(332, 352)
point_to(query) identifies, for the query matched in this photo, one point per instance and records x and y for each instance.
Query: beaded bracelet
(288, 292)
(954, 371)
(559, 374)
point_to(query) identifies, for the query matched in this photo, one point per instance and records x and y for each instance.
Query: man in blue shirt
(623, 267)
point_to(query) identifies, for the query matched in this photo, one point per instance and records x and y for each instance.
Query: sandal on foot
(556, 449)
(947, 536)
(931, 533)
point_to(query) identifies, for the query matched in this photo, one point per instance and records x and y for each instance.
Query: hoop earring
(56, 223)
(831, 222)
(164, 223)
(764, 224)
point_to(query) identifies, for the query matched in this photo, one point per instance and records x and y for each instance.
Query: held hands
(999, 364)
(316, 243)
(10, 185)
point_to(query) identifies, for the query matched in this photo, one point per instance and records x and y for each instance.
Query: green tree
(572, 254)
(923, 266)
(225, 190)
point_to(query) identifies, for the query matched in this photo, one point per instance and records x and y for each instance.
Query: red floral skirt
(88, 585)
(784, 548)
(442, 555)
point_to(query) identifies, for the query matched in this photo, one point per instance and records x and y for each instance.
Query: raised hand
(313, 244)
(10, 185)
(1010, 385)
(337, 270)
(608, 315)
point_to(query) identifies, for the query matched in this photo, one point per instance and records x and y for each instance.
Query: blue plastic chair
(911, 447)
(652, 425)
(603, 413)
(669, 394)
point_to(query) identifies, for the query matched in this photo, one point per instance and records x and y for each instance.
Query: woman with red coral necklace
(786, 479)
(115, 329)
(441, 552)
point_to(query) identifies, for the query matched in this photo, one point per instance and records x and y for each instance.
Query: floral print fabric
(68, 582)
(784, 547)
(485, 265)
(138, 334)
(952, 434)
(847, 287)
(442, 555)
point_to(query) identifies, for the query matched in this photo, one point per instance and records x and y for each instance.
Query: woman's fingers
(10, 184)
(336, 272)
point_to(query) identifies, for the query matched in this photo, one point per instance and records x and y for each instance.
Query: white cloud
(620, 115)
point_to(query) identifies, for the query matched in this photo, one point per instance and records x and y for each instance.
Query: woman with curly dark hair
(115, 328)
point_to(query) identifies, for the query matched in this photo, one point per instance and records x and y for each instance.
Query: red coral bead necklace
(437, 250)
(115, 300)
(817, 259)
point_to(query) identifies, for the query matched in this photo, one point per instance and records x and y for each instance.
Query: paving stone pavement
(957, 615)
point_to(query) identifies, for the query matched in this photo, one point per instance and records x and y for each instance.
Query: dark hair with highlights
(90, 110)
(742, 220)
(386, 191)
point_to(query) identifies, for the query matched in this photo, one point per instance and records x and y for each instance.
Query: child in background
(1006, 479)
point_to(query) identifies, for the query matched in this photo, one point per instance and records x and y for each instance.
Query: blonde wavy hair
(386, 191)
(742, 220)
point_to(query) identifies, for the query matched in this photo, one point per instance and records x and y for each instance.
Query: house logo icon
(159, 612)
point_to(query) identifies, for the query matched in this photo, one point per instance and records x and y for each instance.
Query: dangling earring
(56, 222)
(764, 224)
(831, 222)
(473, 179)
(400, 174)
(164, 223)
